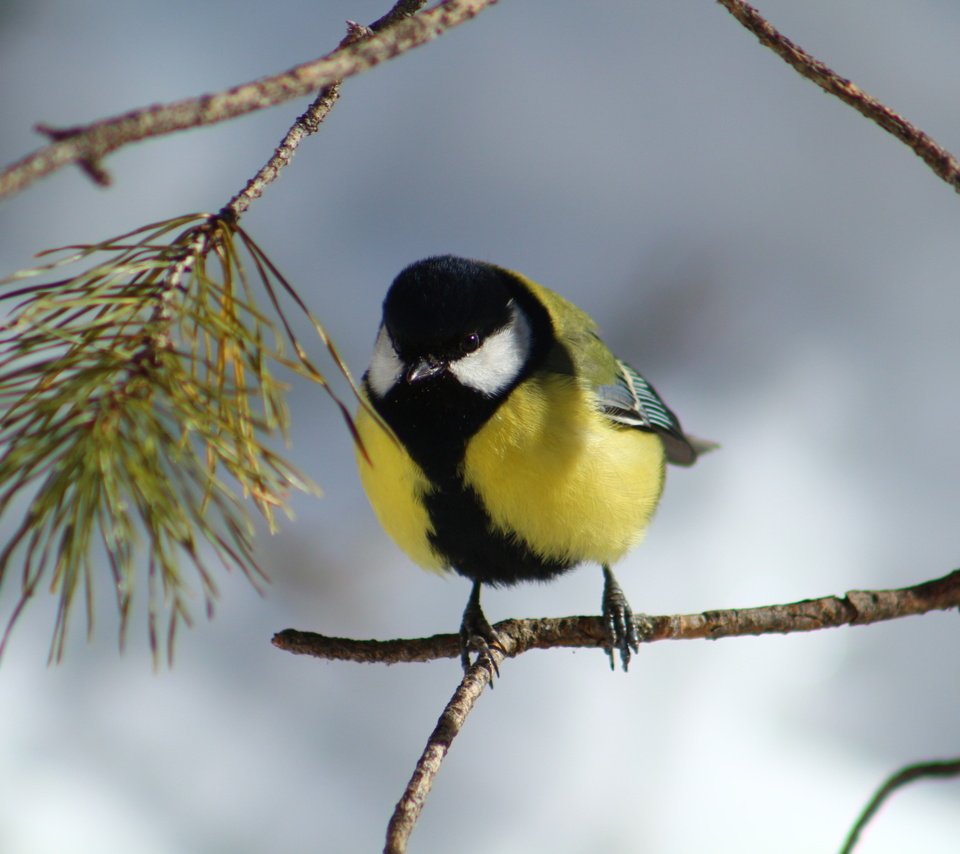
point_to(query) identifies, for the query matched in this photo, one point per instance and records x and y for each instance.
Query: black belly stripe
(434, 421)
(434, 429)
(464, 534)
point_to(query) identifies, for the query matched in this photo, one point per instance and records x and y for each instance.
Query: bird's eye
(471, 342)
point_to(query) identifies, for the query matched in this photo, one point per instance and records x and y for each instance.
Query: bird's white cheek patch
(498, 361)
(385, 365)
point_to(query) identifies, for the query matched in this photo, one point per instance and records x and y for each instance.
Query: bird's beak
(423, 370)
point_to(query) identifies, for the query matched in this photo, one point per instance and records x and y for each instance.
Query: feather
(633, 402)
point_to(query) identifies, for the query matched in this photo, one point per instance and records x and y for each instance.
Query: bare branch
(918, 771)
(309, 123)
(89, 144)
(448, 727)
(856, 608)
(941, 161)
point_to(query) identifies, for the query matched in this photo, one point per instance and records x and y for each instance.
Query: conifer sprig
(138, 406)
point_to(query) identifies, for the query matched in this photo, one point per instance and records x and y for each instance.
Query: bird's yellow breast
(548, 468)
(395, 484)
(551, 468)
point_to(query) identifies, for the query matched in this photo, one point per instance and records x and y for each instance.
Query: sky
(781, 269)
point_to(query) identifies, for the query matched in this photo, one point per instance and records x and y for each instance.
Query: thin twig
(856, 608)
(89, 144)
(918, 771)
(309, 122)
(941, 161)
(448, 727)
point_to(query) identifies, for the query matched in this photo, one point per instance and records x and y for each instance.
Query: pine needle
(139, 403)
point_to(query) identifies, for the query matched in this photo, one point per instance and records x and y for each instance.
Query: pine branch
(140, 402)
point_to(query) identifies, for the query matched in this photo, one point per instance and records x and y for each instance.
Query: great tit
(509, 444)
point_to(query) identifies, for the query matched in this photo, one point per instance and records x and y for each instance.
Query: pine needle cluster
(139, 413)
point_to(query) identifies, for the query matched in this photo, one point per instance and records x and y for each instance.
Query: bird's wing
(633, 402)
(622, 394)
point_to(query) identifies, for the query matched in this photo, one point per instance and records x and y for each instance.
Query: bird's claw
(478, 636)
(484, 648)
(623, 628)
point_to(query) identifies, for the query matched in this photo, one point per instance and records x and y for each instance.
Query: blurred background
(783, 271)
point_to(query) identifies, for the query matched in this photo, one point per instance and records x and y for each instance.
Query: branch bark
(941, 161)
(87, 145)
(855, 608)
(448, 727)
(309, 122)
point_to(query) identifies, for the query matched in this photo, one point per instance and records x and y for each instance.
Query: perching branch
(856, 608)
(918, 771)
(87, 145)
(941, 161)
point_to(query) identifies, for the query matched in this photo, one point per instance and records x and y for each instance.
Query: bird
(502, 440)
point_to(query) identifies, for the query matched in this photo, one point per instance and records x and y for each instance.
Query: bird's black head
(457, 337)
(446, 307)
(449, 318)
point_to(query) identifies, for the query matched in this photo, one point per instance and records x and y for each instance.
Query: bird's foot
(478, 636)
(624, 629)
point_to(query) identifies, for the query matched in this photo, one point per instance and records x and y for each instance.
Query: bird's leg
(622, 626)
(477, 635)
